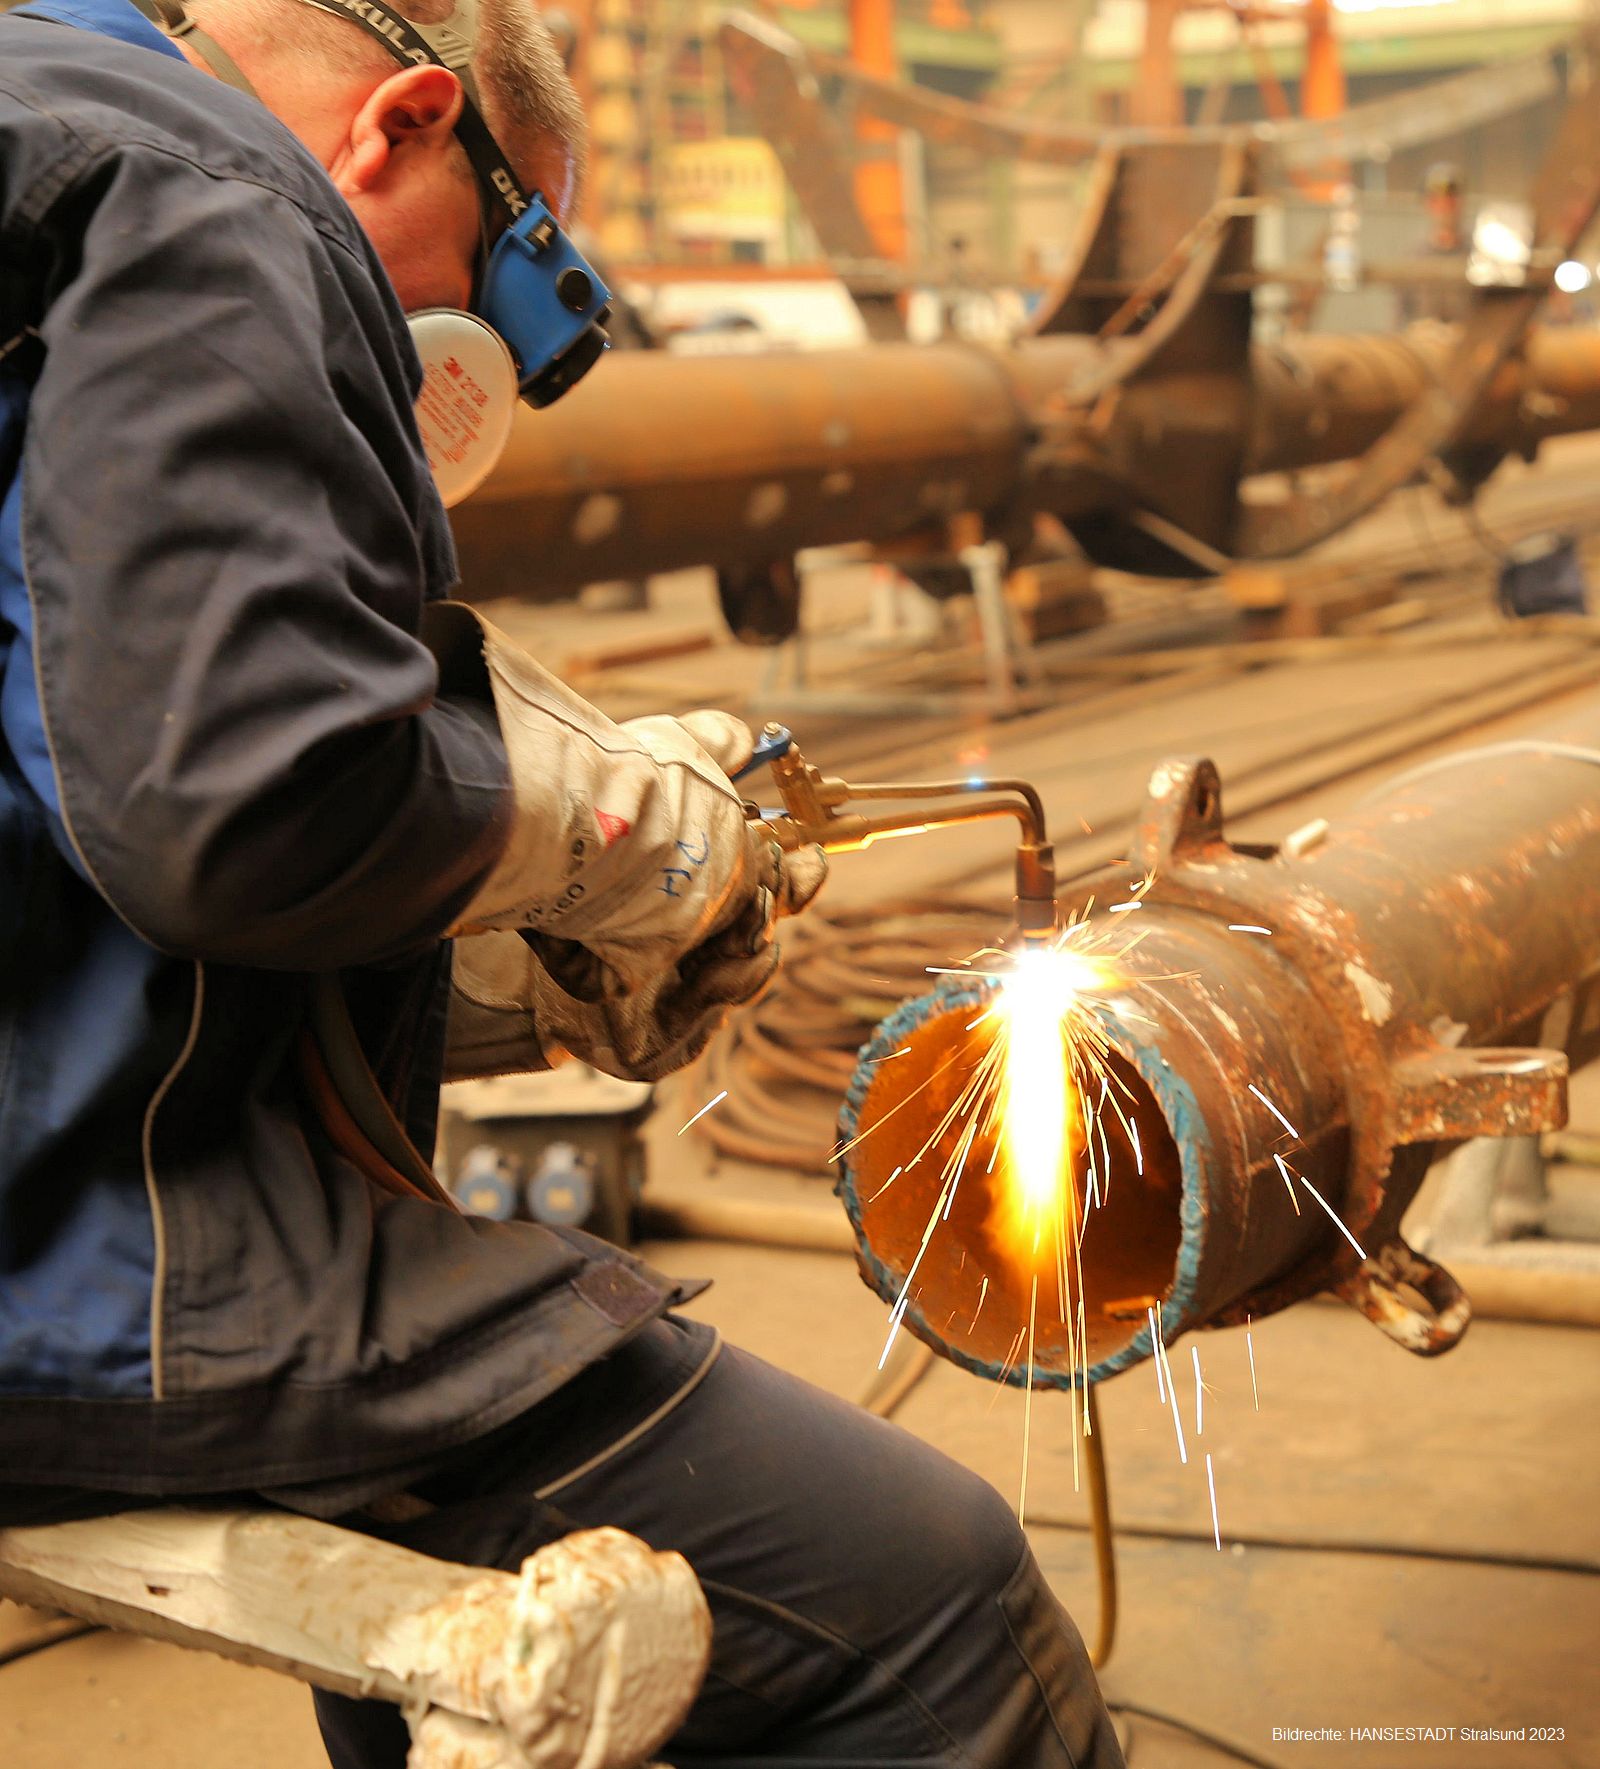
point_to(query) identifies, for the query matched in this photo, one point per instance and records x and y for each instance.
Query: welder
(253, 760)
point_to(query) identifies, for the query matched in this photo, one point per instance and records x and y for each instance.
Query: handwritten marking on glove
(696, 857)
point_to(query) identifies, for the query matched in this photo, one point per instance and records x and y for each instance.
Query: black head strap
(447, 45)
(169, 16)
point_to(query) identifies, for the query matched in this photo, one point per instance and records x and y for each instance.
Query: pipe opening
(974, 1282)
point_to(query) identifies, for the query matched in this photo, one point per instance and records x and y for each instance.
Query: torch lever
(814, 813)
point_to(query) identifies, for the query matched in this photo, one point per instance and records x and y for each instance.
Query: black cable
(10, 1655)
(1391, 1550)
(1228, 1748)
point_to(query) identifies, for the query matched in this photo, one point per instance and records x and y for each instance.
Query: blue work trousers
(873, 1602)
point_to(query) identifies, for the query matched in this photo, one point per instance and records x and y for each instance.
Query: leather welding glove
(630, 861)
(508, 1015)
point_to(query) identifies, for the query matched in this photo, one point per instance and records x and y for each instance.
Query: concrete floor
(1487, 1454)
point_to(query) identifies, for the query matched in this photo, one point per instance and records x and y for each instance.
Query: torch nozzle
(1038, 918)
(813, 813)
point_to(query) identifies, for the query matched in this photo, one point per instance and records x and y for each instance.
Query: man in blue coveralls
(245, 743)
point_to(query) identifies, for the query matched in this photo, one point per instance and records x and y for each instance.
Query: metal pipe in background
(1412, 974)
(657, 462)
(1320, 399)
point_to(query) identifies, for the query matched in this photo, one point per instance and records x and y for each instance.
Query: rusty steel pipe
(1414, 974)
(1320, 399)
(657, 462)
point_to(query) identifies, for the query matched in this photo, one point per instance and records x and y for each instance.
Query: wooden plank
(527, 1659)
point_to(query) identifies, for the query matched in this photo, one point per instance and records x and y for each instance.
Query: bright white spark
(1288, 1179)
(1138, 1153)
(706, 1108)
(1211, 1481)
(1171, 1386)
(885, 1186)
(1027, 1404)
(1122, 908)
(1010, 1359)
(1155, 1346)
(1332, 1216)
(1199, 1396)
(1249, 1345)
(1274, 1110)
(905, 1289)
(895, 1319)
(1172, 1395)
(1248, 927)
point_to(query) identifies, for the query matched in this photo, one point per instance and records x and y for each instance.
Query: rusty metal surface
(657, 461)
(773, 79)
(660, 461)
(1375, 130)
(1168, 211)
(1345, 1004)
(1321, 399)
(1384, 127)
(1440, 920)
(1132, 415)
(1565, 201)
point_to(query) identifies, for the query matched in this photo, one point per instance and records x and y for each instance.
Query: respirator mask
(538, 330)
(538, 324)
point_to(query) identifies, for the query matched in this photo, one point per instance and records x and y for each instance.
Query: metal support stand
(1011, 673)
(1006, 655)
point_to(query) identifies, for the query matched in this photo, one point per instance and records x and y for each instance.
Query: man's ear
(415, 107)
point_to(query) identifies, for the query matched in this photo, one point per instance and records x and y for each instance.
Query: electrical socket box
(560, 1147)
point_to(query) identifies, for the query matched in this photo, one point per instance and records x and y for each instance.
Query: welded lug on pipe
(1378, 1289)
(1292, 1033)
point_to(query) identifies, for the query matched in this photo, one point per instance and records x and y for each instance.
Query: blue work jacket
(225, 765)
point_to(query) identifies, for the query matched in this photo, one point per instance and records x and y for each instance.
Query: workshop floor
(1404, 1501)
(1394, 1531)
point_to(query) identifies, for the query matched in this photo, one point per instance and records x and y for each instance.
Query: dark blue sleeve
(228, 535)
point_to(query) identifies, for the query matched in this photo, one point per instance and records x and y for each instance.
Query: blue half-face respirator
(543, 297)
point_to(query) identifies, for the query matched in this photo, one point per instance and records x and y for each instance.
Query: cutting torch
(819, 810)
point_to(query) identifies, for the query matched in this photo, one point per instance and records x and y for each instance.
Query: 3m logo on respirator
(466, 386)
